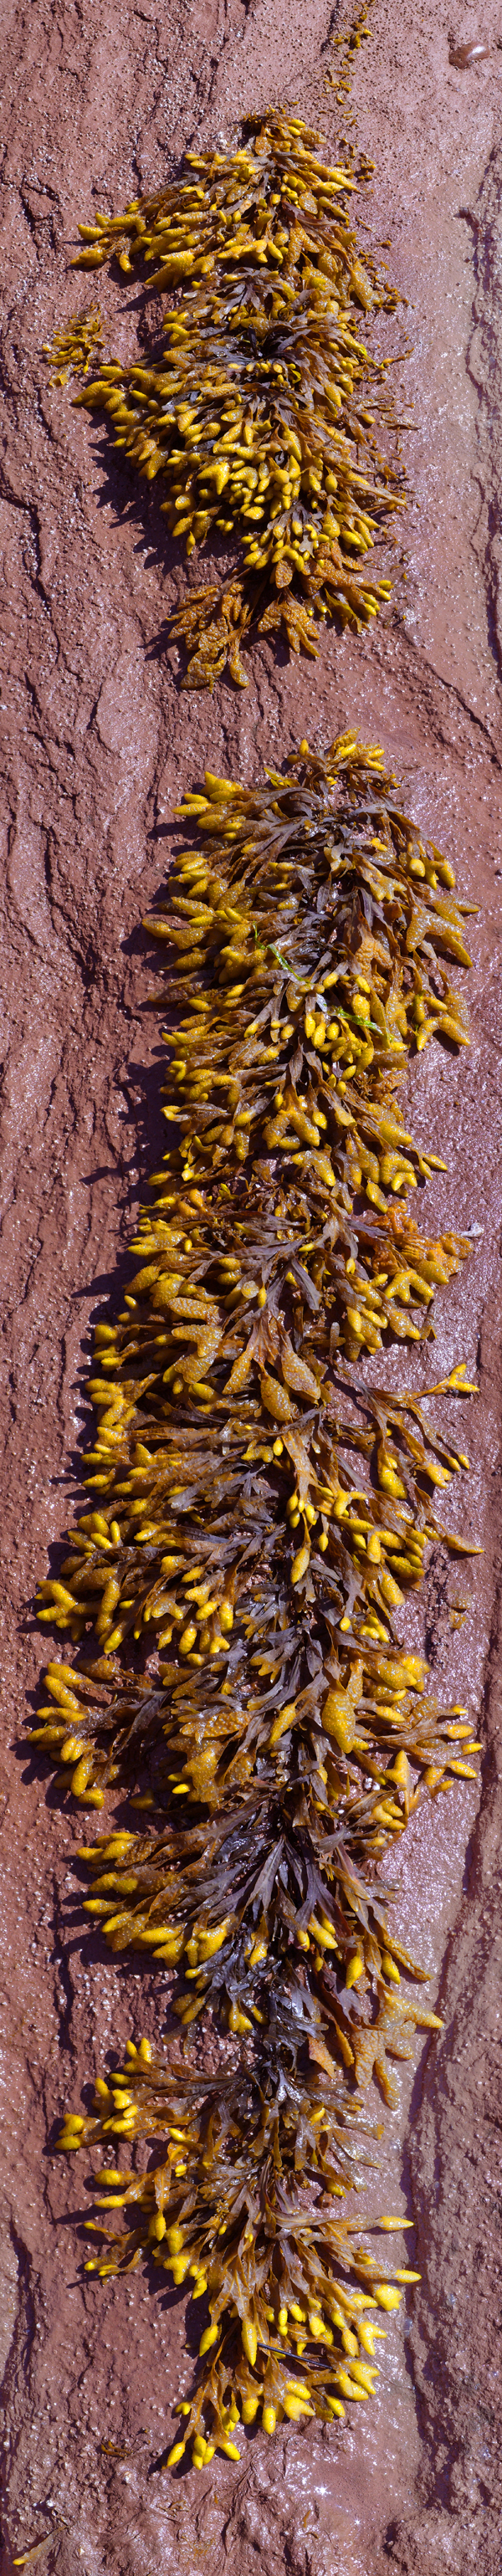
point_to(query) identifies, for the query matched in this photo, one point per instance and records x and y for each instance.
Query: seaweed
(70, 353)
(261, 1512)
(255, 412)
(345, 46)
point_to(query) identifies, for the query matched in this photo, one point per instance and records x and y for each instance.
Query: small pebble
(462, 56)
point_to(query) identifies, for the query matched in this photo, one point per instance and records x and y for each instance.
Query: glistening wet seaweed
(307, 946)
(255, 415)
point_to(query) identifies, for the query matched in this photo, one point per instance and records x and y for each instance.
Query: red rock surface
(98, 744)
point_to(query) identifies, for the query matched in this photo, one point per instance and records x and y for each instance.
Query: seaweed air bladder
(261, 1508)
(262, 410)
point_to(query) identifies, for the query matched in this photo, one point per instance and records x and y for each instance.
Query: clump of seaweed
(71, 351)
(241, 2211)
(255, 415)
(243, 1586)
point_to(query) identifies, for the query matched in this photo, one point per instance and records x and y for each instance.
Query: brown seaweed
(261, 1510)
(255, 414)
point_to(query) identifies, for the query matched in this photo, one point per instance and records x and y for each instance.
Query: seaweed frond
(240, 2212)
(255, 415)
(71, 351)
(260, 1513)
